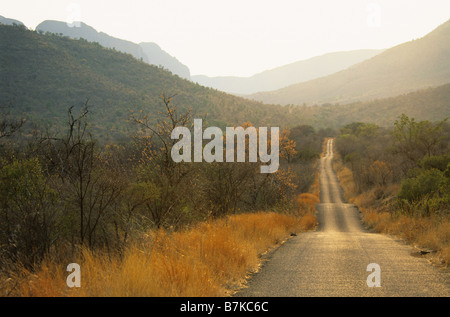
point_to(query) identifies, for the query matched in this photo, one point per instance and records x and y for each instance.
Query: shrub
(439, 162)
(27, 222)
(425, 182)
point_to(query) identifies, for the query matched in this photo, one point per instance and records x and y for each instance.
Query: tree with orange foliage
(380, 172)
(287, 146)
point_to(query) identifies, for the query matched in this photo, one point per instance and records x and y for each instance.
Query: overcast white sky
(244, 37)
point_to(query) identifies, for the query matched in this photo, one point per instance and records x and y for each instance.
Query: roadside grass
(382, 215)
(209, 259)
(212, 258)
(307, 202)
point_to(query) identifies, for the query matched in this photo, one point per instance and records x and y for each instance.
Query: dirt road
(341, 258)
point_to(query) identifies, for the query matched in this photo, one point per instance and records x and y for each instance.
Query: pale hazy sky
(244, 37)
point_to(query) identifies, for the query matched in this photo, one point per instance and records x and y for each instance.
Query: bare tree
(169, 181)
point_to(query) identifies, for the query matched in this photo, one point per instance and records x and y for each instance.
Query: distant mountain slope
(7, 21)
(407, 67)
(432, 104)
(156, 56)
(148, 52)
(42, 75)
(288, 74)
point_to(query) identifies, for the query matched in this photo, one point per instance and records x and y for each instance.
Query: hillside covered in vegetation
(43, 75)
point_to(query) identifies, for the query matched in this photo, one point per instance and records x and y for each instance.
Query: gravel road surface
(342, 259)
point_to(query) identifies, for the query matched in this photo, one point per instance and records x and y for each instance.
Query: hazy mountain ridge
(432, 104)
(7, 21)
(149, 52)
(157, 56)
(42, 75)
(286, 75)
(404, 68)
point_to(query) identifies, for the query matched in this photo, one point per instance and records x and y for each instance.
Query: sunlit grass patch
(209, 259)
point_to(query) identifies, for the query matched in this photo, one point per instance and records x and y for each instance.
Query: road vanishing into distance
(342, 259)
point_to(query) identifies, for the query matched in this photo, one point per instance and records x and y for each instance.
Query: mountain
(7, 21)
(42, 75)
(149, 52)
(288, 74)
(410, 66)
(432, 104)
(156, 56)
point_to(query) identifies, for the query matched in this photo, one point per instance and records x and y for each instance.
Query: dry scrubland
(118, 253)
(210, 259)
(430, 234)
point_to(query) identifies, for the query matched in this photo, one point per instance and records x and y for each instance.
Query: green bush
(27, 212)
(424, 182)
(439, 162)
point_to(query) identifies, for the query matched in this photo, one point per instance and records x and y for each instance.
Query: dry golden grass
(210, 259)
(306, 202)
(345, 177)
(423, 232)
(308, 222)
